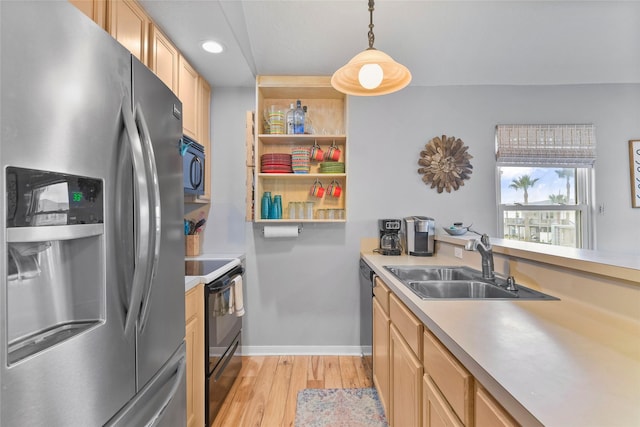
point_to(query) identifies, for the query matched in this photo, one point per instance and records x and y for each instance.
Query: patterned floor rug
(339, 407)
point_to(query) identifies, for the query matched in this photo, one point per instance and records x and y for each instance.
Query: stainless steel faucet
(483, 245)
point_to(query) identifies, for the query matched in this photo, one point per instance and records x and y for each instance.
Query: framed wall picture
(634, 163)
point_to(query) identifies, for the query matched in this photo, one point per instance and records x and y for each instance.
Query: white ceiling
(441, 42)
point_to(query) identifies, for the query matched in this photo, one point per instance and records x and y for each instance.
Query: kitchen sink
(436, 282)
(433, 273)
(458, 289)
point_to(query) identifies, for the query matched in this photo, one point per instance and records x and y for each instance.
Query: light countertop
(617, 265)
(191, 281)
(551, 363)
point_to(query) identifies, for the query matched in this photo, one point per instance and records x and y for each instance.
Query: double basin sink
(437, 282)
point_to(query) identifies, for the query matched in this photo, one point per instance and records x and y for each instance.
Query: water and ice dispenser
(55, 258)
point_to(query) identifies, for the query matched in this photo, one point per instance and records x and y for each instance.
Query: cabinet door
(94, 9)
(452, 379)
(436, 411)
(381, 323)
(489, 413)
(204, 133)
(194, 339)
(163, 58)
(406, 383)
(188, 94)
(129, 24)
(409, 326)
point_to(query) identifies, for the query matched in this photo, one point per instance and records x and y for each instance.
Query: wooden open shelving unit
(327, 109)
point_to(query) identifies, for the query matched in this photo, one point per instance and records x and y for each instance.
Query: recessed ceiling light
(212, 46)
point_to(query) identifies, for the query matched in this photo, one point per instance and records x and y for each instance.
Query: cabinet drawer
(451, 378)
(381, 293)
(436, 410)
(408, 325)
(489, 413)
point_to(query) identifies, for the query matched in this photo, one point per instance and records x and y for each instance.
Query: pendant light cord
(370, 33)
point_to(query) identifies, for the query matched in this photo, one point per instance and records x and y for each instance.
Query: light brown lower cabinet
(381, 323)
(489, 413)
(453, 381)
(446, 395)
(436, 411)
(406, 383)
(194, 339)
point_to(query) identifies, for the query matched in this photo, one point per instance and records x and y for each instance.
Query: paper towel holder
(299, 229)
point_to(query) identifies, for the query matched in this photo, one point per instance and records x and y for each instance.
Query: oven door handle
(215, 290)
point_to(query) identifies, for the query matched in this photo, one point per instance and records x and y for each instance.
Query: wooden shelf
(301, 139)
(295, 221)
(299, 176)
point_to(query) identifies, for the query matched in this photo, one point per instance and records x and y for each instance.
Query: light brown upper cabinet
(188, 90)
(163, 58)
(129, 24)
(94, 9)
(204, 93)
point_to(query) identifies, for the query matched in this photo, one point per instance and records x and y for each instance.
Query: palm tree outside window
(545, 183)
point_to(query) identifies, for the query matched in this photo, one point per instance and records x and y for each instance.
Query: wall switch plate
(457, 252)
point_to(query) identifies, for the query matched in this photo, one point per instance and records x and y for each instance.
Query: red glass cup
(317, 190)
(334, 189)
(333, 153)
(316, 153)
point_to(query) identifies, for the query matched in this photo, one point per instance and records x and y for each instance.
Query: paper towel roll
(272, 231)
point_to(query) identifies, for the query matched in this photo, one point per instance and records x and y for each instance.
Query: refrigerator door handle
(157, 417)
(155, 223)
(142, 209)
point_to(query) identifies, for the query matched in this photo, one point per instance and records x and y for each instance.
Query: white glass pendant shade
(347, 79)
(370, 76)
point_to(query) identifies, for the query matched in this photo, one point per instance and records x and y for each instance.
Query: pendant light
(371, 72)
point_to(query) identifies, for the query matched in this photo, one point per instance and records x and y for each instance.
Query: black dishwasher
(366, 314)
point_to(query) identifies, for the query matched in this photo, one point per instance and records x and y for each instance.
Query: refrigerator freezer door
(161, 323)
(162, 402)
(63, 82)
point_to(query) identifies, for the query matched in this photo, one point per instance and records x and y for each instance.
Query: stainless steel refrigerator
(91, 271)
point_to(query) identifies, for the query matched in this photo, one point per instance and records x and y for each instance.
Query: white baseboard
(329, 350)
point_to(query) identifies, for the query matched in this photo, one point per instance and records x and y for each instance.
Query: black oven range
(223, 328)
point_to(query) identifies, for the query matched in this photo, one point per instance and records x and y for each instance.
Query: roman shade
(546, 145)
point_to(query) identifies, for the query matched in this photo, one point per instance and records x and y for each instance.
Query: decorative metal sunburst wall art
(445, 163)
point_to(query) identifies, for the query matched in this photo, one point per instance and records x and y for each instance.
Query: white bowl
(456, 231)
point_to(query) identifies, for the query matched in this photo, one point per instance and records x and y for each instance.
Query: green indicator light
(76, 196)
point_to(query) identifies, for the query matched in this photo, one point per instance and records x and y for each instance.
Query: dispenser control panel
(43, 198)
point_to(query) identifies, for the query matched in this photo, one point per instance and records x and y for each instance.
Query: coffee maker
(389, 236)
(418, 234)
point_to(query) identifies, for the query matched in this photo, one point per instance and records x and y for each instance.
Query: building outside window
(545, 183)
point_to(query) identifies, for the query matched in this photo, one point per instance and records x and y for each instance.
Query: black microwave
(193, 167)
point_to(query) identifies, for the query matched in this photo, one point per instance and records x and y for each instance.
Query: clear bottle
(308, 125)
(298, 118)
(289, 119)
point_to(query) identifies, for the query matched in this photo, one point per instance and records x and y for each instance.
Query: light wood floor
(265, 393)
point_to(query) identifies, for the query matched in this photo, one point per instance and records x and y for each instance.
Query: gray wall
(304, 292)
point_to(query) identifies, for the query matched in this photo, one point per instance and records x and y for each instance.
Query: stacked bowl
(332, 167)
(300, 159)
(275, 163)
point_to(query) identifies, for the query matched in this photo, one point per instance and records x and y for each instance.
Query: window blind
(557, 145)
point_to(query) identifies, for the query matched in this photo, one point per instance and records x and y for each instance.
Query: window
(545, 183)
